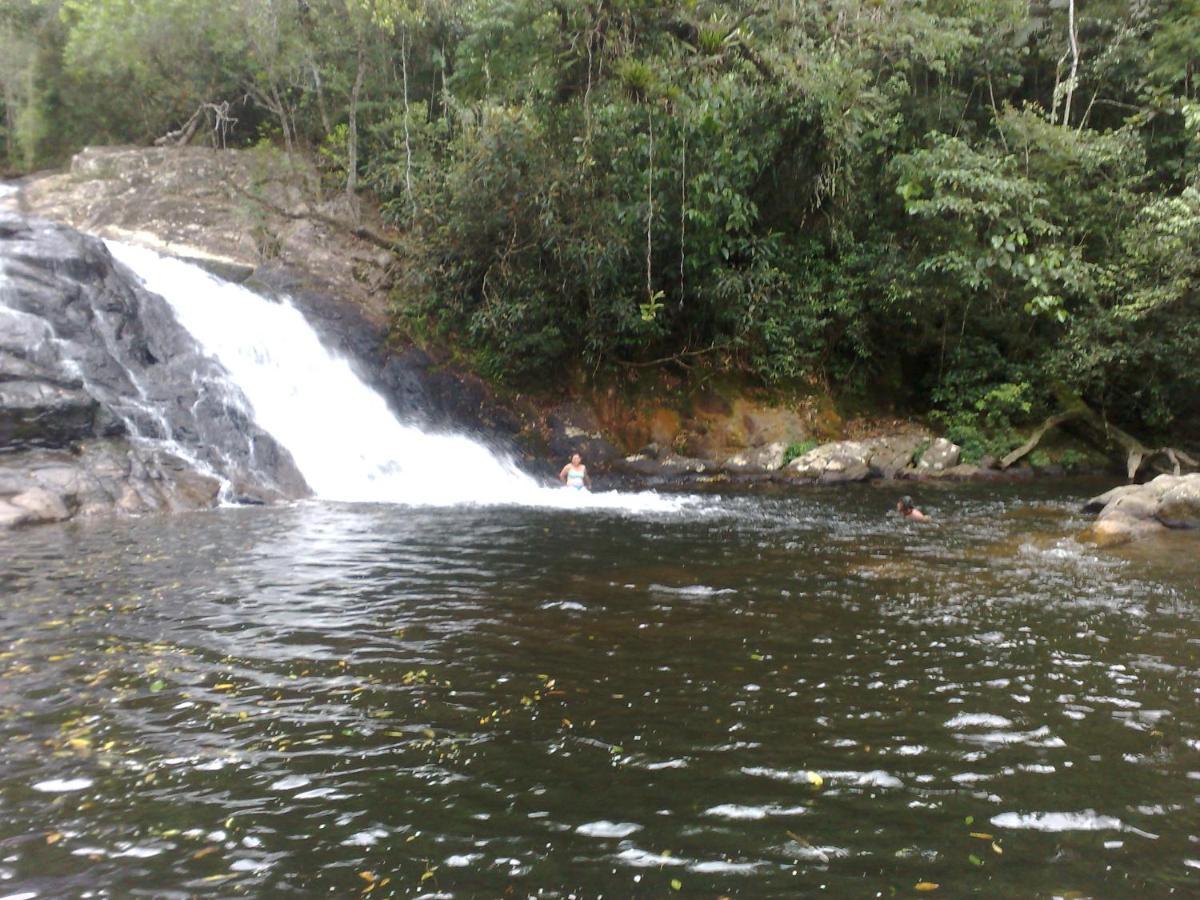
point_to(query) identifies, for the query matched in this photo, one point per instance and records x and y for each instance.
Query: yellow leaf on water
(814, 779)
(981, 835)
(223, 686)
(368, 876)
(80, 743)
(997, 848)
(926, 886)
(200, 854)
(54, 837)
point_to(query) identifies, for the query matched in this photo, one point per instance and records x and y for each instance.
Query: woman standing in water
(574, 474)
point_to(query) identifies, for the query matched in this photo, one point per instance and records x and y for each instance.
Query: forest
(986, 212)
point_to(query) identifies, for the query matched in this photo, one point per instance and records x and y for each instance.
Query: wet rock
(960, 472)
(939, 456)
(98, 477)
(758, 459)
(88, 355)
(40, 505)
(881, 457)
(1179, 504)
(664, 468)
(1119, 528)
(1134, 511)
(575, 429)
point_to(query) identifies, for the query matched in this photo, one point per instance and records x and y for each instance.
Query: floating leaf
(996, 847)
(368, 876)
(981, 835)
(814, 779)
(676, 884)
(157, 685)
(970, 820)
(926, 886)
(54, 837)
(200, 854)
(975, 860)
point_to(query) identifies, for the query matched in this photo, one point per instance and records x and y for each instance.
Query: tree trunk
(1074, 62)
(1105, 436)
(352, 138)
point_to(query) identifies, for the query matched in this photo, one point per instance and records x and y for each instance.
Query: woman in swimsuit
(574, 474)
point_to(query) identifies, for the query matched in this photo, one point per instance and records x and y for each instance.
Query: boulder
(768, 458)
(939, 456)
(1179, 504)
(666, 466)
(41, 505)
(1134, 511)
(1119, 528)
(880, 457)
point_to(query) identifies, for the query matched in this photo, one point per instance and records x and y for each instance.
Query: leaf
(970, 820)
(200, 854)
(676, 884)
(996, 847)
(368, 876)
(981, 835)
(54, 837)
(975, 860)
(814, 779)
(157, 685)
(926, 886)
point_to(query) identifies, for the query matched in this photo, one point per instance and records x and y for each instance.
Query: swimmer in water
(904, 506)
(574, 474)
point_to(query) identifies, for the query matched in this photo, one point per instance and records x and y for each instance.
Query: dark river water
(756, 696)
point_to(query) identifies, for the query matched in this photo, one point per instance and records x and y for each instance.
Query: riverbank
(251, 216)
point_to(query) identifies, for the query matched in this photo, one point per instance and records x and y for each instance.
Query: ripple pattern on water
(310, 700)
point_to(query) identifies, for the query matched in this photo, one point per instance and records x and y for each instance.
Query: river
(732, 695)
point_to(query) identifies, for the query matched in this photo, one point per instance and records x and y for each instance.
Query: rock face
(106, 402)
(1136, 510)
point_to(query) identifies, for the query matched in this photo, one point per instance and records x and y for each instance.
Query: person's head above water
(904, 504)
(576, 459)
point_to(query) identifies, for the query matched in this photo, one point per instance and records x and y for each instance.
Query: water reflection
(781, 695)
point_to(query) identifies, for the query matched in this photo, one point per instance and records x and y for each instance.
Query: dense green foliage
(914, 196)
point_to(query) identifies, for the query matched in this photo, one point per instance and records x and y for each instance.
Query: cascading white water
(345, 440)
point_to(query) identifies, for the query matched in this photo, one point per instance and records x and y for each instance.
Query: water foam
(346, 442)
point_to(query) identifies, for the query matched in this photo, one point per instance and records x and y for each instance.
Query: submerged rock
(1136, 510)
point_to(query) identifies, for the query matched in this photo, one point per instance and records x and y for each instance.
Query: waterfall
(345, 440)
